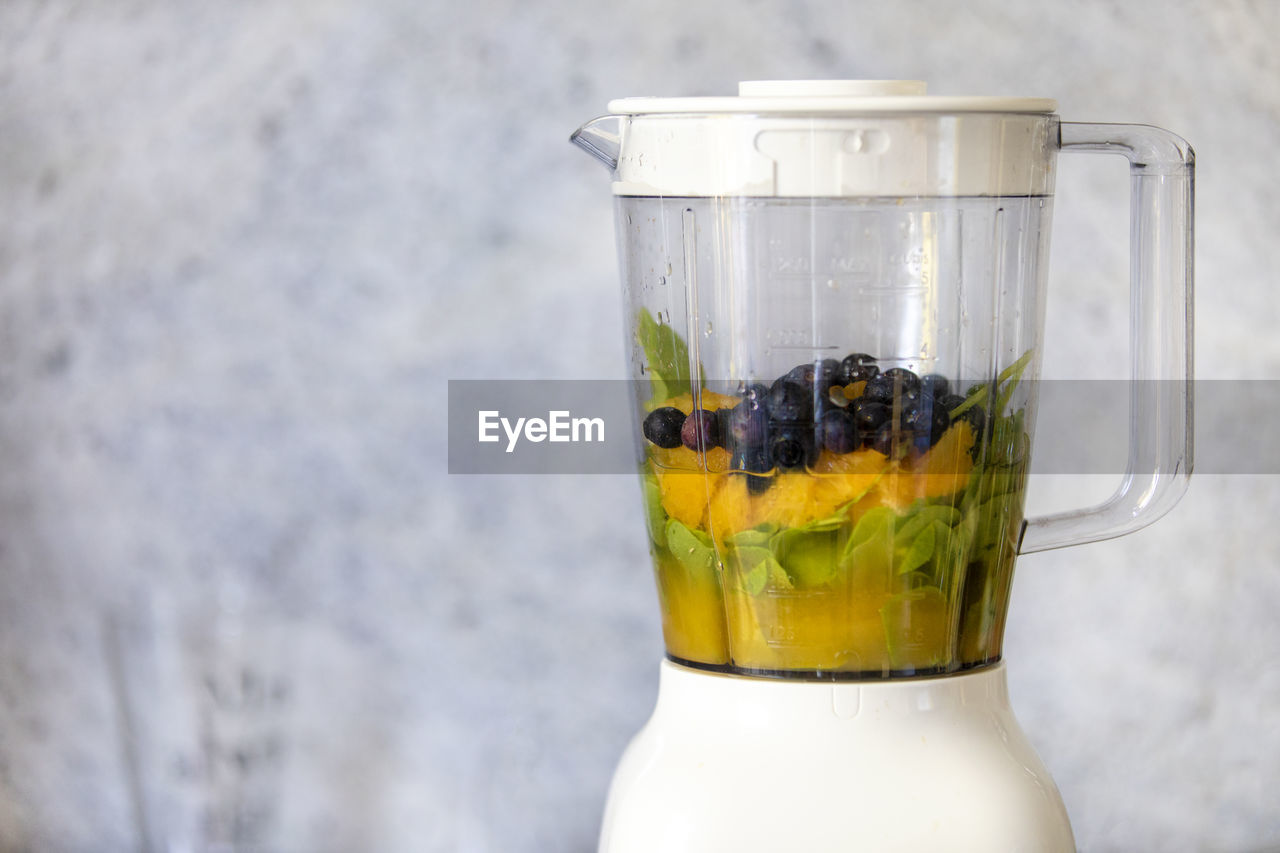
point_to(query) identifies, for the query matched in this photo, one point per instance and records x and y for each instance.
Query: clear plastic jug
(834, 294)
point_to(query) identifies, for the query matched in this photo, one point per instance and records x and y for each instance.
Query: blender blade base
(737, 764)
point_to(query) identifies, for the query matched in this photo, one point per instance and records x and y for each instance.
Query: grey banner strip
(591, 426)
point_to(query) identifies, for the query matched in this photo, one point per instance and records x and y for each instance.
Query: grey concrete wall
(243, 247)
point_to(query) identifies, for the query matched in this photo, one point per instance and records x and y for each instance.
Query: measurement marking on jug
(788, 338)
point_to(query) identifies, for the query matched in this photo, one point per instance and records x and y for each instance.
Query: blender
(835, 300)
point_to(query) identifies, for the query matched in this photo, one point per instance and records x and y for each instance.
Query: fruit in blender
(842, 520)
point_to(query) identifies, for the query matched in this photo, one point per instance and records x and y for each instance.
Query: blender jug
(846, 281)
(835, 297)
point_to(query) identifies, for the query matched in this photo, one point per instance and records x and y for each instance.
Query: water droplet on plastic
(662, 279)
(708, 330)
(668, 269)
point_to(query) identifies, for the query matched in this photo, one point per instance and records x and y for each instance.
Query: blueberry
(792, 447)
(701, 430)
(879, 389)
(790, 402)
(724, 424)
(904, 381)
(935, 385)
(748, 425)
(801, 374)
(950, 402)
(921, 420)
(839, 435)
(754, 461)
(857, 367)
(940, 423)
(662, 426)
(886, 437)
(755, 395)
(823, 402)
(826, 374)
(914, 414)
(868, 415)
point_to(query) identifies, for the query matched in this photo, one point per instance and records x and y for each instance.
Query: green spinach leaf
(759, 569)
(691, 548)
(667, 357)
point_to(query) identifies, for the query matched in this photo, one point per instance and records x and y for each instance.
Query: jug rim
(831, 106)
(831, 97)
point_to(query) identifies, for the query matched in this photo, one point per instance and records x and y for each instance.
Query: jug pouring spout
(601, 138)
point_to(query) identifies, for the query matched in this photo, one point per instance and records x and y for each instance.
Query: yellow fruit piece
(788, 502)
(943, 471)
(842, 477)
(713, 401)
(895, 490)
(683, 402)
(684, 495)
(854, 390)
(731, 509)
(693, 619)
(718, 459)
(857, 462)
(710, 401)
(835, 629)
(678, 458)
(684, 459)
(870, 500)
(950, 456)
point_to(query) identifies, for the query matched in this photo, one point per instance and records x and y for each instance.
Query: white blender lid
(841, 97)
(834, 139)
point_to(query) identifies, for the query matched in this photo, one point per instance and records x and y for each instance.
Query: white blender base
(729, 764)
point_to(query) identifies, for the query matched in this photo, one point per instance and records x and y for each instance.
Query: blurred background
(245, 245)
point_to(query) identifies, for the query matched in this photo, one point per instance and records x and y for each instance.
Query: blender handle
(1162, 178)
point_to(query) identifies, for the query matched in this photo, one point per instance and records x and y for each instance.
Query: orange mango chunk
(684, 495)
(710, 401)
(684, 459)
(718, 460)
(842, 477)
(788, 502)
(679, 458)
(732, 507)
(943, 471)
(854, 390)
